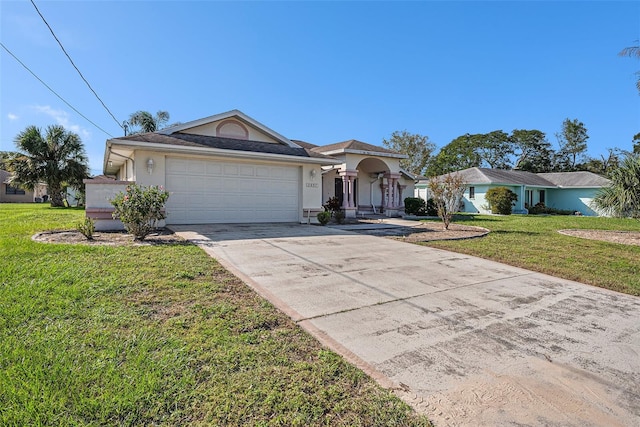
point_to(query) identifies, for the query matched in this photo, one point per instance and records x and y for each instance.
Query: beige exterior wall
(27, 197)
(310, 195)
(312, 183)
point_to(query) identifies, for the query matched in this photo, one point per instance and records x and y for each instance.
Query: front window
(542, 197)
(472, 192)
(14, 190)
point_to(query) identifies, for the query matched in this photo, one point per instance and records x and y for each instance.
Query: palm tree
(622, 197)
(57, 158)
(145, 122)
(632, 51)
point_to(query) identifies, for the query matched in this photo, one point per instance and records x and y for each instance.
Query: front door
(338, 191)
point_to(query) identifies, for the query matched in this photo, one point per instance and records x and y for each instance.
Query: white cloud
(62, 118)
(12, 116)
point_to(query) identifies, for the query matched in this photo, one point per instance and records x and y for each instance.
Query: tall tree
(573, 144)
(622, 197)
(495, 149)
(461, 153)
(56, 158)
(416, 146)
(633, 51)
(605, 165)
(144, 121)
(533, 151)
(636, 143)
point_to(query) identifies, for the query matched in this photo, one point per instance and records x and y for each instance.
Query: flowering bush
(140, 208)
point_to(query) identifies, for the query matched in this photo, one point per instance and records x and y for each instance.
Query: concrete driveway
(468, 342)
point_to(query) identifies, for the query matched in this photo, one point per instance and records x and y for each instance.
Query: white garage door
(217, 192)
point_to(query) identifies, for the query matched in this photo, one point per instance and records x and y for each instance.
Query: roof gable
(232, 124)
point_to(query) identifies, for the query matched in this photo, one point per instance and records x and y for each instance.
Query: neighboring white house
(560, 190)
(229, 168)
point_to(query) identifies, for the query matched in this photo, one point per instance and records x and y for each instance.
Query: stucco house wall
(575, 199)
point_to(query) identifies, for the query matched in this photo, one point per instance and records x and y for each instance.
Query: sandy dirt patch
(623, 237)
(160, 237)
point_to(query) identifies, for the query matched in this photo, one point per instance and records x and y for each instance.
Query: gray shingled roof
(500, 176)
(352, 144)
(514, 177)
(304, 144)
(4, 176)
(191, 140)
(576, 179)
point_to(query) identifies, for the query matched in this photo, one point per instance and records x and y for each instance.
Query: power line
(74, 65)
(53, 91)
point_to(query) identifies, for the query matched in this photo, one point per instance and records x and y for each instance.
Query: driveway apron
(466, 341)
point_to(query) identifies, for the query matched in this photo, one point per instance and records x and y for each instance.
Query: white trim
(233, 113)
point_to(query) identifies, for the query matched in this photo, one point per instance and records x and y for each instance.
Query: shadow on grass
(518, 232)
(464, 218)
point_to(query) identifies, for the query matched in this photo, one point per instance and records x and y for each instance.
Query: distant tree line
(522, 149)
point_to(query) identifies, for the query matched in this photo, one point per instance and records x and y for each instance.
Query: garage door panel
(214, 191)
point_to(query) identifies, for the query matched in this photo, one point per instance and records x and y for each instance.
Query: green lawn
(533, 242)
(157, 335)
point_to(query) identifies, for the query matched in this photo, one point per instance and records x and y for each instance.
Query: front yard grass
(533, 242)
(158, 335)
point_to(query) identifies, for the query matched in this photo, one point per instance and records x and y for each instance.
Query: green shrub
(324, 217)
(540, 209)
(415, 206)
(339, 216)
(140, 208)
(332, 205)
(501, 200)
(87, 227)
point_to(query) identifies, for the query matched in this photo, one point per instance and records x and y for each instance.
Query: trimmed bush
(324, 217)
(415, 206)
(501, 200)
(140, 208)
(540, 209)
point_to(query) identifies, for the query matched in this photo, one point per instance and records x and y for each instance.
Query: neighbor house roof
(4, 176)
(515, 177)
(575, 179)
(357, 147)
(501, 176)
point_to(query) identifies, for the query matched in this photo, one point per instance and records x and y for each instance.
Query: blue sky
(326, 72)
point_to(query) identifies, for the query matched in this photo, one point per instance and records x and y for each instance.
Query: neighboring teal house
(560, 190)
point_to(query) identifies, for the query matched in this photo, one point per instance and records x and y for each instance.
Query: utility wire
(53, 91)
(74, 65)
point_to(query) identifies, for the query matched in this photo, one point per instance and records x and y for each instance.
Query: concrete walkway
(468, 342)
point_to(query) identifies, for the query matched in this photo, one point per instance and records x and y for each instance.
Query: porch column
(347, 192)
(350, 191)
(392, 192)
(385, 195)
(400, 199)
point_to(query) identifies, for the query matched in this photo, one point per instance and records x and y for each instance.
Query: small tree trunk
(55, 192)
